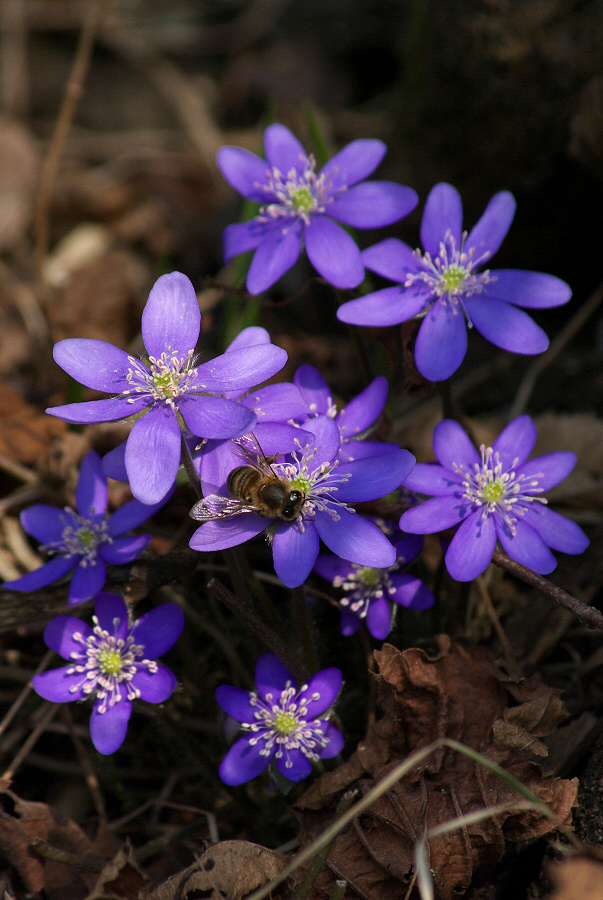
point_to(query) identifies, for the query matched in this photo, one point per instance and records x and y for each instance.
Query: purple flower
(280, 722)
(322, 488)
(114, 662)
(167, 389)
(369, 592)
(85, 540)
(302, 205)
(445, 286)
(354, 420)
(495, 494)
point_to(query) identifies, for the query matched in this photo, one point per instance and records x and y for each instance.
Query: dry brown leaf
(26, 432)
(120, 879)
(457, 693)
(577, 878)
(228, 869)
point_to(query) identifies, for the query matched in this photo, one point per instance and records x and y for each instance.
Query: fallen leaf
(228, 869)
(19, 172)
(459, 693)
(26, 432)
(120, 879)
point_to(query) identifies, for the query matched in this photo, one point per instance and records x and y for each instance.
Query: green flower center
(285, 722)
(369, 576)
(302, 199)
(87, 538)
(452, 278)
(493, 492)
(110, 661)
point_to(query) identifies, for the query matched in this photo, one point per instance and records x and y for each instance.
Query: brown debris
(578, 877)
(458, 693)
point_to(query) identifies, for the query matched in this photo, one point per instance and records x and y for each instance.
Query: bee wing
(214, 507)
(248, 448)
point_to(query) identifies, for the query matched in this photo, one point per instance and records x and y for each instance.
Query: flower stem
(588, 615)
(302, 620)
(189, 467)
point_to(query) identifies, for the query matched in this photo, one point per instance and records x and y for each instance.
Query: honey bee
(255, 487)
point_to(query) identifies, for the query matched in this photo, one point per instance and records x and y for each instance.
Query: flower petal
(123, 550)
(356, 539)
(379, 618)
(443, 213)
(87, 581)
(46, 523)
(471, 548)
(532, 290)
(112, 613)
(114, 463)
(97, 364)
(153, 454)
(56, 685)
(441, 342)
(219, 535)
(326, 438)
(391, 259)
(490, 231)
(548, 470)
(555, 530)
(314, 390)
(505, 326)
(364, 409)
(333, 253)
(91, 494)
(335, 738)
(326, 685)
(353, 449)
(516, 441)
(171, 318)
(244, 761)
(154, 687)
(108, 729)
(294, 552)
(354, 162)
(239, 370)
(350, 623)
(374, 477)
(215, 417)
(294, 765)
(373, 204)
(59, 636)
(389, 306)
(331, 567)
(271, 675)
(245, 171)
(277, 403)
(244, 236)
(283, 151)
(429, 478)
(275, 254)
(452, 446)
(236, 703)
(46, 574)
(159, 629)
(411, 592)
(525, 546)
(131, 515)
(99, 410)
(249, 337)
(435, 515)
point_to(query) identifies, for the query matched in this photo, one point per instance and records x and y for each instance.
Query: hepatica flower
(369, 592)
(323, 489)
(495, 494)
(84, 539)
(354, 420)
(450, 285)
(302, 206)
(280, 723)
(113, 662)
(166, 391)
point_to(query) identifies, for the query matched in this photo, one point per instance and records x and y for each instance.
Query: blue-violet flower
(300, 205)
(280, 722)
(326, 487)
(369, 592)
(86, 539)
(168, 390)
(114, 662)
(444, 286)
(493, 494)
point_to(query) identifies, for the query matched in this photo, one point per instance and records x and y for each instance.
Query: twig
(588, 615)
(507, 649)
(46, 851)
(73, 92)
(89, 773)
(20, 700)
(50, 710)
(545, 359)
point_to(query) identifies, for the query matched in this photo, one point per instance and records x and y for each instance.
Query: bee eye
(294, 496)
